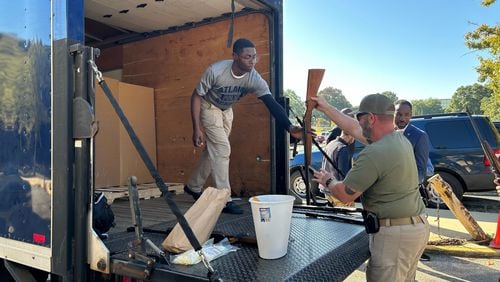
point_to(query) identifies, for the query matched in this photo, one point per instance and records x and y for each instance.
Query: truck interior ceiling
(152, 54)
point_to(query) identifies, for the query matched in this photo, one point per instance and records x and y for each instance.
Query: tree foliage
(297, 106)
(491, 108)
(426, 106)
(469, 96)
(24, 100)
(487, 38)
(335, 98)
(391, 95)
(24, 89)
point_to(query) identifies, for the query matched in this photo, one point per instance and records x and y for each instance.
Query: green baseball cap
(376, 104)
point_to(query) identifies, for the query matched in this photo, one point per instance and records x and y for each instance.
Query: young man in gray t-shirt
(223, 84)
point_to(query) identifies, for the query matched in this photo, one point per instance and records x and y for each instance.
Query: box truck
(60, 139)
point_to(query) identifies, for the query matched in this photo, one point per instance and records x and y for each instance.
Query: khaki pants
(215, 158)
(396, 250)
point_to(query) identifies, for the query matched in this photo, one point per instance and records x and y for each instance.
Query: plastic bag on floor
(211, 251)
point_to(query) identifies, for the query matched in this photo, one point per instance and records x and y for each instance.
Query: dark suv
(455, 151)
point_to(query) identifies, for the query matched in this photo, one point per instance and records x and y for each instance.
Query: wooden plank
(457, 208)
(110, 58)
(146, 191)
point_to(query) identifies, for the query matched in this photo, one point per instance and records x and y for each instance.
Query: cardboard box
(115, 156)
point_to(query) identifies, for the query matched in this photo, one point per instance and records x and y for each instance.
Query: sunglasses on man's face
(360, 115)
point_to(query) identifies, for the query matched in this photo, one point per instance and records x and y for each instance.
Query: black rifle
(488, 151)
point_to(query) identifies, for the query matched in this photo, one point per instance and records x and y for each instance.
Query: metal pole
(82, 171)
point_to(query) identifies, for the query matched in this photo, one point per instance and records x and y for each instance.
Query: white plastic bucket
(272, 215)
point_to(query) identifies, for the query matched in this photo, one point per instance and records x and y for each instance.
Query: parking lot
(484, 207)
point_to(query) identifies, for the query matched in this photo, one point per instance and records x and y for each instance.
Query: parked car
(497, 125)
(456, 153)
(297, 185)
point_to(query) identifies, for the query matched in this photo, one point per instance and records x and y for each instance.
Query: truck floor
(320, 249)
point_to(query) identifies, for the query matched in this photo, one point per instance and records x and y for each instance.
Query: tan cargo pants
(215, 157)
(396, 250)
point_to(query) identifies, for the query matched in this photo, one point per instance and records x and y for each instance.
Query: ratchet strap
(325, 155)
(231, 27)
(213, 276)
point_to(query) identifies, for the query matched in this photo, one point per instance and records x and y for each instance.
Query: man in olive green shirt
(385, 173)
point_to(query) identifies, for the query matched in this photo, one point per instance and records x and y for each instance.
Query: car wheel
(298, 186)
(433, 197)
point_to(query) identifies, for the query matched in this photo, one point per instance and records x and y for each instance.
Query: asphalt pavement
(470, 261)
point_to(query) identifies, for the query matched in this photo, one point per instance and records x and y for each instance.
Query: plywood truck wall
(172, 65)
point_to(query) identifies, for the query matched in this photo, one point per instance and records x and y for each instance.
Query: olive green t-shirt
(386, 172)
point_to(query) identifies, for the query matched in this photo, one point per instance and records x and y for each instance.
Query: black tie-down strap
(325, 155)
(154, 172)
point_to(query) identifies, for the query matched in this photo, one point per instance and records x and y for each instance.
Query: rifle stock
(314, 78)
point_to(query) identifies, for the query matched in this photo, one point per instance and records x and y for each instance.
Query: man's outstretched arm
(279, 114)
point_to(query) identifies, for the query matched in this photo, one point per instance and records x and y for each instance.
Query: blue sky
(413, 48)
(21, 21)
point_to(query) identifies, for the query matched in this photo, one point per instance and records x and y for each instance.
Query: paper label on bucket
(265, 214)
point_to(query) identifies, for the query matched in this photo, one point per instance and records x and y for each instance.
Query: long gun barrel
(488, 151)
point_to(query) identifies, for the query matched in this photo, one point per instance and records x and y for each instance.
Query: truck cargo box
(60, 139)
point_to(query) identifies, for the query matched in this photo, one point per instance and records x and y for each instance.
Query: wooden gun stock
(314, 78)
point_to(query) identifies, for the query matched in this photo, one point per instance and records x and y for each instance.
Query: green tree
(335, 98)
(491, 107)
(426, 106)
(391, 95)
(297, 106)
(470, 96)
(487, 38)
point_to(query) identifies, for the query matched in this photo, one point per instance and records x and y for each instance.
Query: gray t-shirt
(386, 172)
(220, 88)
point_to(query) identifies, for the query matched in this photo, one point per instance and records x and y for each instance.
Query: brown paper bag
(337, 203)
(202, 217)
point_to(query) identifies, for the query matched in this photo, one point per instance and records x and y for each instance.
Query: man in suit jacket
(418, 139)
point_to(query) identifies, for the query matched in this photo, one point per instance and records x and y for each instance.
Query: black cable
(322, 151)
(231, 26)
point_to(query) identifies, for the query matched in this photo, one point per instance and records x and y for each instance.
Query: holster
(371, 222)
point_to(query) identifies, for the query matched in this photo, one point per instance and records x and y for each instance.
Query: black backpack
(103, 217)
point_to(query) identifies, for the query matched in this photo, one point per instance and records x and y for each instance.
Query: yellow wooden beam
(457, 208)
